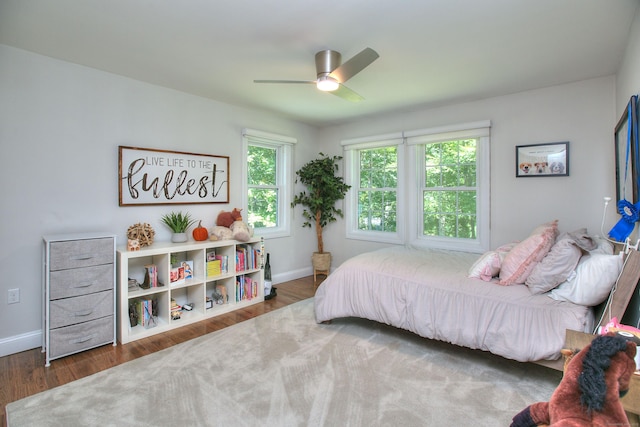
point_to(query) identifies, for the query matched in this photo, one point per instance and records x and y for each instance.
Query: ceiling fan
(331, 75)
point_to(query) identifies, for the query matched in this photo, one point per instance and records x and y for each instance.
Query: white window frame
(352, 177)
(415, 139)
(284, 158)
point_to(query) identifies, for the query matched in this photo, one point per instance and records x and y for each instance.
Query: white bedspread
(428, 292)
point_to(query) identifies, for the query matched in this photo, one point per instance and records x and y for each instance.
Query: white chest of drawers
(78, 293)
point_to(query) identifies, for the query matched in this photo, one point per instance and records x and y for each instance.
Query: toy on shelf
(230, 226)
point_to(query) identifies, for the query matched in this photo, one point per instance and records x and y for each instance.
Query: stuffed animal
(241, 231)
(219, 232)
(589, 394)
(225, 219)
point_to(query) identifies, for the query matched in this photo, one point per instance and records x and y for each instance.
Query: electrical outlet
(14, 296)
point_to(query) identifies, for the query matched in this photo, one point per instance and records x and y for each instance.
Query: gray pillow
(556, 266)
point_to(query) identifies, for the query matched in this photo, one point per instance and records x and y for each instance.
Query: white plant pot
(179, 237)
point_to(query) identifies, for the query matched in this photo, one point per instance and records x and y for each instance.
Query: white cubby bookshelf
(195, 290)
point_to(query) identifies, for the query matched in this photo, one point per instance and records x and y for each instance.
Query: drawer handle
(82, 257)
(84, 285)
(84, 339)
(83, 313)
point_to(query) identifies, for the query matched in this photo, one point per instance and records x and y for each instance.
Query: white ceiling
(432, 52)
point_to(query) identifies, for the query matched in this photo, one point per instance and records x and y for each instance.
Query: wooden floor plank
(24, 374)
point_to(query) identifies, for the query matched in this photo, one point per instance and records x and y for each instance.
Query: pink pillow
(521, 260)
(486, 267)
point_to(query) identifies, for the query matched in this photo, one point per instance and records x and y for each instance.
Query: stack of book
(217, 264)
(150, 277)
(247, 258)
(176, 310)
(246, 288)
(145, 309)
(213, 268)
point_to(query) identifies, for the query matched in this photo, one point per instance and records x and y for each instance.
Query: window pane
(377, 194)
(450, 195)
(467, 176)
(467, 226)
(261, 165)
(263, 208)
(432, 176)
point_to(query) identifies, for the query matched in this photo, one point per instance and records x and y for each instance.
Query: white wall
(60, 127)
(581, 113)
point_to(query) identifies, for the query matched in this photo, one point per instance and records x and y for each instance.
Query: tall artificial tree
(324, 189)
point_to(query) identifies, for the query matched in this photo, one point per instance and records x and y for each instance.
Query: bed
(430, 292)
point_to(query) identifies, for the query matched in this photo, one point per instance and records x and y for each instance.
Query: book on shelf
(150, 321)
(145, 311)
(176, 310)
(246, 288)
(150, 277)
(240, 258)
(247, 258)
(214, 268)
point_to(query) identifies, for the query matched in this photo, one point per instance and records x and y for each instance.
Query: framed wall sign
(540, 160)
(160, 177)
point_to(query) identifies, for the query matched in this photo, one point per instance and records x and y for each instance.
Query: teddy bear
(589, 394)
(230, 226)
(225, 219)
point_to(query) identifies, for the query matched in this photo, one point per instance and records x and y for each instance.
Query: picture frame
(162, 177)
(627, 174)
(542, 160)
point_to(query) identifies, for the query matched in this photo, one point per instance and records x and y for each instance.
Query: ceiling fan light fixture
(327, 84)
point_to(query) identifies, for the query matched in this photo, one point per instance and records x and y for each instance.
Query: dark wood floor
(23, 374)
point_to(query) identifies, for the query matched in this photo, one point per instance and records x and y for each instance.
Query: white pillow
(595, 276)
(486, 267)
(603, 246)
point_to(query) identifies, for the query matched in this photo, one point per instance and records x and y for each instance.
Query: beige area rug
(283, 369)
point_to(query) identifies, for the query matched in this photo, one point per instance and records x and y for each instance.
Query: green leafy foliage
(324, 189)
(178, 222)
(262, 209)
(450, 198)
(377, 195)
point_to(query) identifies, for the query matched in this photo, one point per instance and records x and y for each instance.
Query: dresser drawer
(82, 336)
(69, 311)
(80, 281)
(81, 253)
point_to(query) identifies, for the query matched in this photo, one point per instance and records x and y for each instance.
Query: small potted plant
(179, 223)
(325, 188)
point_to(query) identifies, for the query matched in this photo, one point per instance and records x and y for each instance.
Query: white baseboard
(292, 275)
(29, 340)
(22, 342)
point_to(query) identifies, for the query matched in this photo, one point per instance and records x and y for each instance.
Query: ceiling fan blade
(354, 65)
(286, 81)
(346, 93)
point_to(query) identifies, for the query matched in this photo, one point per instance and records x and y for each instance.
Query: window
(378, 189)
(375, 200)
(441, 192)
(267, 176)
(451, 207)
